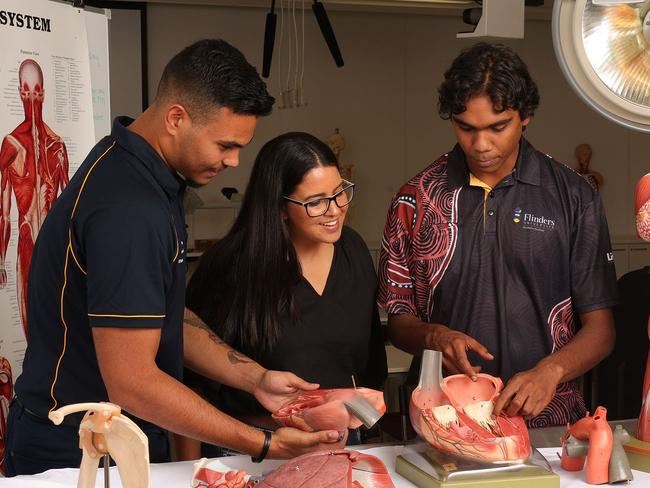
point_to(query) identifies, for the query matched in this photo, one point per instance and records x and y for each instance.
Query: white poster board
(97, 35)
(46, 129)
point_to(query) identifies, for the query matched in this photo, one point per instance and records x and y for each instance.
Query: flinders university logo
(531, 221)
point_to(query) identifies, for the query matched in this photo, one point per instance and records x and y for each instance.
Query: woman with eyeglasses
(290, 286)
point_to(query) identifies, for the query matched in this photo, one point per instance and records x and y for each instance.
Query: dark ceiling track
(269, 40)
(328, 33)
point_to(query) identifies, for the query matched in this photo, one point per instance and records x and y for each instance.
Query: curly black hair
(488, 69)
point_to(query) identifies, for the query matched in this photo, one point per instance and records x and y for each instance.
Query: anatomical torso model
(34, 164)
(642, 208)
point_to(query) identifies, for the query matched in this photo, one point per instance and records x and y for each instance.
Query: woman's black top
(335, 336)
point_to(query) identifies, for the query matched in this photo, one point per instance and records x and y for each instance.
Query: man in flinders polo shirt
(107, 280)
(496, 254)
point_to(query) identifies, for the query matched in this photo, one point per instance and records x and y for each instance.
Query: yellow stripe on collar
(474, 181)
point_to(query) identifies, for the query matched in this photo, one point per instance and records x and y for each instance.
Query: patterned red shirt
(512, 266)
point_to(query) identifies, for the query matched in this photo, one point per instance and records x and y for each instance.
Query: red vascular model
(332, 409)
(591, 438)
(454, 415)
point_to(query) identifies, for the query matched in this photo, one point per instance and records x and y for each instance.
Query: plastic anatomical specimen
(331, 469)
(336, 409)
(642, 208)
(592, 438)
(104, 430)
(6, 394)
(217, 475)
(455, 416)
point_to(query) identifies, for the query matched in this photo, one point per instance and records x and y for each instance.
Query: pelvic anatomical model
(34, 164)
(642, 208)
(104, 430)
(6, 393)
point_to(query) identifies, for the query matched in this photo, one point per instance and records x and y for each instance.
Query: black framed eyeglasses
(320, 206)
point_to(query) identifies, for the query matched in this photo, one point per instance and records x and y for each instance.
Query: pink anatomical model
(455, 416)
(642, 209)
(336, 409)
(210, 478)
(591, 438)
(331, 469)
(6, 394)
(34, 164)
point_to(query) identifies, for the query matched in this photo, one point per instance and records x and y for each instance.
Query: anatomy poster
(46, 129)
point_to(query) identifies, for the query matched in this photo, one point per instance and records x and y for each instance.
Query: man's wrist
(432, 337)
(551, 369)
(255, 377)
(268, 437)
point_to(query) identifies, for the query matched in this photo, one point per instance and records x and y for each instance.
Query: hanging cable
(294, 91)
(301, 97)
(281, 97)
(287, 88)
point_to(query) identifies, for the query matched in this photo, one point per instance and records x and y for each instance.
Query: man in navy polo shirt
(107, 280)
(496, 254)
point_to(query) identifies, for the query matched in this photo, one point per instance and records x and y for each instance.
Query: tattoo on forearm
(194, 321)
(237, 358)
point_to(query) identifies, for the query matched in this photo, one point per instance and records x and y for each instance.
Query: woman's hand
(276, 388)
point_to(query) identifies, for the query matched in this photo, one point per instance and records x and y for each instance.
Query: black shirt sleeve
(593, 275)
(128, 264)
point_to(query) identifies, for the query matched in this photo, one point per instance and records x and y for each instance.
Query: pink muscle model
(34, 164)
(642, 210)
(6, 393)
(331, 469)
(332, 409)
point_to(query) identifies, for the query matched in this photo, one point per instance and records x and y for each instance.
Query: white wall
(384, 102)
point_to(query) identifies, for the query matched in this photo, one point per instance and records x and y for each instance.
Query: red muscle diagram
(34, 167)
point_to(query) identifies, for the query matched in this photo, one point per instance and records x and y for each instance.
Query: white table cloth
(178, 475)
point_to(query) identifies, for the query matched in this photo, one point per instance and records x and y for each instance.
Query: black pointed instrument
(269, 40)
(328, 33)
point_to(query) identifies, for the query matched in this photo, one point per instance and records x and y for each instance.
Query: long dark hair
(244, 284)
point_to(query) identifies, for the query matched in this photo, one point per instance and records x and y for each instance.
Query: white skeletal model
(104, 430)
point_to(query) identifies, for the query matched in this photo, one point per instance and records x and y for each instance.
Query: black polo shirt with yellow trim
(111, 253)
(511, 266)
